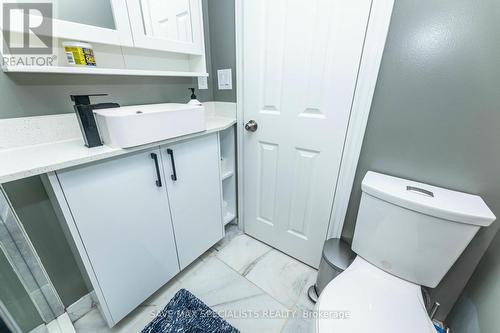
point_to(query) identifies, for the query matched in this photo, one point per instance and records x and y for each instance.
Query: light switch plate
(202, 82)
(225, 79)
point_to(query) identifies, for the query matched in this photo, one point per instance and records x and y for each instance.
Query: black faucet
(86, 119)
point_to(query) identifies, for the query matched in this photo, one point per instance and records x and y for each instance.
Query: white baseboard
(61, 325)
(40, 329)
(81, 307)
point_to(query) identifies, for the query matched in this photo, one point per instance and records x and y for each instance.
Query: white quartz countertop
(30, 160)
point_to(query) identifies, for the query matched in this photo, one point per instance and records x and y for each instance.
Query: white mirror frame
(142, 40)
(121, 35)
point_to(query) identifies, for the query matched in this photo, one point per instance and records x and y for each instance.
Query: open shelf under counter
(228, 179)
(228, 217)
(226, 174)
(97, 71)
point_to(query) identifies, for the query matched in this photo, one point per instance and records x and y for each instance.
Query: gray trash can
(337, 256)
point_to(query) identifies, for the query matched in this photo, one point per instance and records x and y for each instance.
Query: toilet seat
(371, 300)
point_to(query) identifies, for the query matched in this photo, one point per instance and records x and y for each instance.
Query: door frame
(371, 58)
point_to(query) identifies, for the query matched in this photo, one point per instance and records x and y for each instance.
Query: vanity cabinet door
(121, 213)
(194, 192)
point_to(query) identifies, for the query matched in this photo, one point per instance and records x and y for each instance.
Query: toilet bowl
(364, 298)
(407, 235)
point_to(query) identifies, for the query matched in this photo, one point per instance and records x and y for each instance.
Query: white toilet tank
(415, 231)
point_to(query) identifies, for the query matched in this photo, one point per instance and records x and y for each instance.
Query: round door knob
(251, 126)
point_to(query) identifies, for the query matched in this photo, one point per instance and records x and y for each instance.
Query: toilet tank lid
(427, 199)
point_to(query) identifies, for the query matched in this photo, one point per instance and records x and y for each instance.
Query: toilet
(407, 235)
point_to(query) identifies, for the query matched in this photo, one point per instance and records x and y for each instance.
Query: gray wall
(37, 94)
(435, 114)
(223, 44)
(42, 94)
(477, 309)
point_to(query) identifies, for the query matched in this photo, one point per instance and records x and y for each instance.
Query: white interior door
(301, 60)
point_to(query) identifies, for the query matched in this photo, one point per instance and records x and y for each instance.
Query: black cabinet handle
(174, 174)
(155, 158)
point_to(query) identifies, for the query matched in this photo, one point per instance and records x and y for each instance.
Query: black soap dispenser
(86, 119)
(193, 100)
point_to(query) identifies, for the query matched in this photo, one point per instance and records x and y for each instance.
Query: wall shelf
(228, 217)
(97, 71)
(227, 174)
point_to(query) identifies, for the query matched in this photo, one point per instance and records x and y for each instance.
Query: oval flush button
(139, 112)
(420, 191)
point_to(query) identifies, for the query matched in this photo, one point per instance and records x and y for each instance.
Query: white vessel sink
(136, 125)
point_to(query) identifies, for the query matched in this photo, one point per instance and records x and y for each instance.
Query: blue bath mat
(187, 314)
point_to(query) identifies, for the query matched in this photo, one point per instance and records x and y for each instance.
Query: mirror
(97, 13)
(168, 19)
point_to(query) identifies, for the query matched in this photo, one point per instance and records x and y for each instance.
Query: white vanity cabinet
(121, 220)
(193, 183)
(135, 225)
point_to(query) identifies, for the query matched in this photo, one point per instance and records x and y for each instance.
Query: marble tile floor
(253, 286)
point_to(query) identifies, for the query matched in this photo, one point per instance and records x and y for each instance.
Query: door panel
(267, 182)
(304, 164)
(300, 70)
(195, 197)
(123, 219)
(167, 25)
(168, 19)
